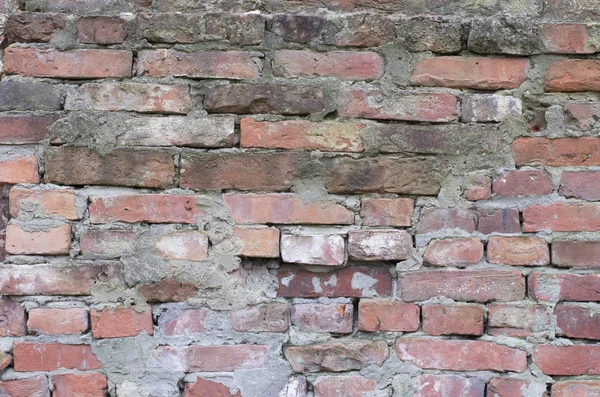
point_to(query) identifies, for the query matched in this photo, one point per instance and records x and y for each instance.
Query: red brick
(379, 244)
(107, 243)
(298, 28)
(241, 170)
(347, 386)
(150, 208)
(463, 285)
(336, 356)
(284, 208)
(350, 282)
(121, 322)
(74, 64)
(479, 188)
(200, 64)
(370, 103)
(573, 75)
(183, 323)
(579, 388)
(454, 252)
(55, 280)
(584, 254)
(31, 27)
(498, 220)
(475, 73)
(184, 245)
(387, 315)
(559, 152)
(19, 169)
(577, 322)
(460, 355)
(322, 317)
(446, 219)
(517, 320)
(305, 135)
(562, 217)
(30, 356)
(565, 287)
(448, 385)
(51, 203)
(120, 167)
(91, 384)
(257, 242)
(565, 38)
(29, 387)
(387, 212)
(24, 129)
(511, 387)
(48, 321)
(133, 97)
(101, 30)
(524, 251)
(489, 108)
(195, 358)
(167, 290)
(583, 185)
(523, 183)
(12, 319)
(206, 388)
(268, 317)
(345, 65)
(452, 319)
(313, 250)
(567, 360)
(53, 241)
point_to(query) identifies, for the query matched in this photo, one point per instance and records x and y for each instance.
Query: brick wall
(299, 198)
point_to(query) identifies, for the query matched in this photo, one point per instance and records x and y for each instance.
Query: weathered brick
(200, 64)
(49, 203)
(584, 254)
(90, 384)
(55, 280)
(565, 38)
(186, 322)
(561, 217)
(167, 290)
(261, 98)
(504, 35)
(133, 97)
(284, 208)
(5, 361)
(12, 319)
(371, 103)
(580, 388)
(463, 285)
(120, 167)
(345, 65)
(583, 185)
(347, 386)
(195, 358)
(522, 251)
(446, 219)
(475, 73)
(107, 243)
(240, 170)
(564, 287)
(573, 75)
(19, 168)
(582, 116)
(77, 6)
(577, 322)
(378, 244)
(512, 387)
(448, 385)
(363, 30)
(242, 29)
(29, 96)
(578, 10)
(121, 322)
(101, 30)
(435, 34)
(523, 183)
(454, 252)
(498, 220)
(387, 212)
(478, 187)
(387, 316)
(313, 250)
(52, 241)
(257, 242)
(452, 319)
(350, 282)
(336, 356)
(298, 28)
(24, 129)
(184, 245)
(417, 175)
(31, 356)
(559, 152)
(268, 317)
(49, 321)
(460, 355)
(489, 107)
(567, 360)
(305, 135)
(31, 27)
(31, 387)
(204, 387)
(322, 317)
(74, 64)
(171, 27)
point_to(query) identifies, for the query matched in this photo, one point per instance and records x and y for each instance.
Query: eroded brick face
(300, 198)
